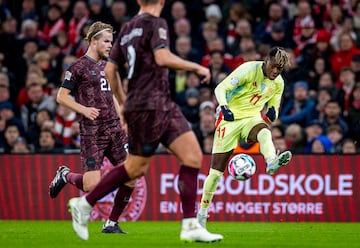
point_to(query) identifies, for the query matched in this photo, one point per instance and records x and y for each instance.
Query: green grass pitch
(59, 234)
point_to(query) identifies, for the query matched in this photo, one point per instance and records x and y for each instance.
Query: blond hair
(96, 29)
(279, 55)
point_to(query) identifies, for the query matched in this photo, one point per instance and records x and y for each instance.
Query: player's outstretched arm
(164, 57)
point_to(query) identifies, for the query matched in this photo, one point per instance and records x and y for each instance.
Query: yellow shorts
(229, 133)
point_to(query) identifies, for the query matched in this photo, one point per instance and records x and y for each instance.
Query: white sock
(83, 203)
(203, 211)
(189, 223)
(110, 223)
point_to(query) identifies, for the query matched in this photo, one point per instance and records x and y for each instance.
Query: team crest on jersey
(162, 33)
(102, 73)
(254, 84)
(234, 81)
(67, 75)
(263, 86)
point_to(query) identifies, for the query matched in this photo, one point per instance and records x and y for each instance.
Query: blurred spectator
(4, 88)
(38, 100)
(217, 65)
(343, 56)
(280, 144)
(217, 44)
(353, 117)
(64, 118)
(98, 11)
(75, 136)
(48, 143)
(4, 11)
(81, 45)
(11, 133)
(275, 15)
(8, 42)
(326, 80)
(28, 11)
(320, 145)
(205, 127)
(237, 12)
(346, 85)
(79, 18)
(319, 68)
(191, 107)
(180, 81)
(277, 37)
(303, 11)
(335, 135)
(295, 138)
(298, 110)
(118, 15)
(208, 144)
(313, 130)
(24, 61)
(247, 51)
(355, 66)
(206, 93)
(333, 116)
(33, 76)
(323, 48)
(322, 98)
(306, 40)
(34, 129)
(184, 49)
(20, 146)
(277, 131)
(213, 14)
(177, 11)
(7, 113)
(242, 29)
(182, 27)
(53, 24)
(207, 33)
(292, 74)
(349, 147)
(206, 107)
(55, 63)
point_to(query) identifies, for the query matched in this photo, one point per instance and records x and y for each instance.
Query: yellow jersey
(246, 90)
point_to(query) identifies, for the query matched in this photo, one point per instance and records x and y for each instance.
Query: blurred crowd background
(320, 111)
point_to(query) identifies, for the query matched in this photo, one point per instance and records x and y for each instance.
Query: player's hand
(91, 113)
(204, 74)
(270, 115)
(228, 115)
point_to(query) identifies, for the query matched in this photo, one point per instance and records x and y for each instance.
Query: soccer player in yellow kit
(242, 97)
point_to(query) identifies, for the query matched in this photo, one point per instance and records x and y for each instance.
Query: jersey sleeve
(70, 78)
(276, 98)
(237, 78)
(160, 35)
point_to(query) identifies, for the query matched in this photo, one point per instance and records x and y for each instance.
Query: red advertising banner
(311, 188)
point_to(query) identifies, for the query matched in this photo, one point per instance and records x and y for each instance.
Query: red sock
(187, 186)
(121, 200)
(112, 180)
(75, 179)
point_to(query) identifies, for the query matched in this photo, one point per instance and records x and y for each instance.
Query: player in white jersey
(242, 97)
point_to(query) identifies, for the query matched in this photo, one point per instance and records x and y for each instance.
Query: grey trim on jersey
(159, 47)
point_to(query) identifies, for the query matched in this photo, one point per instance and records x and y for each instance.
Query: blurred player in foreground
(152, 118)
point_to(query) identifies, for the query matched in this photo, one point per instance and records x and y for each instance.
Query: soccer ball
(242, 167)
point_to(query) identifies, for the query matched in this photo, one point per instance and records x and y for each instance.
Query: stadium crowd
(320, 112)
